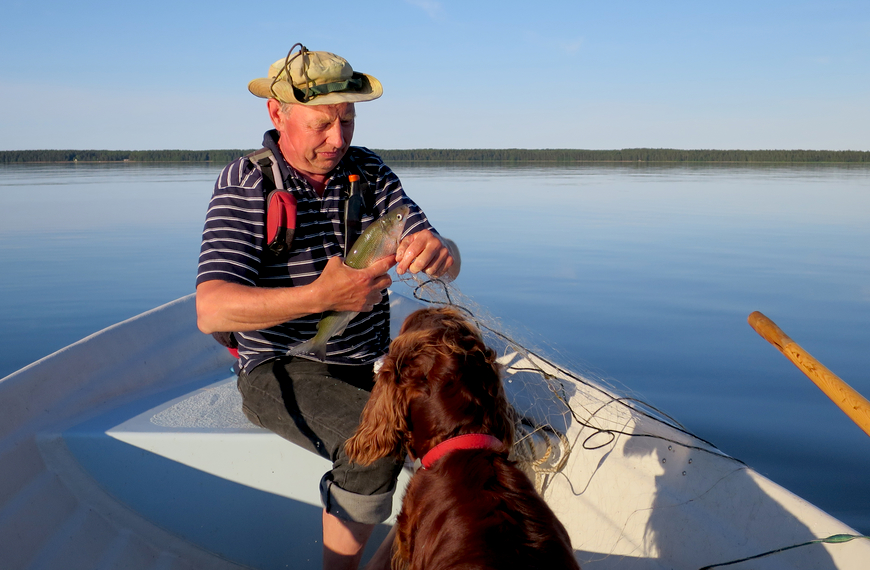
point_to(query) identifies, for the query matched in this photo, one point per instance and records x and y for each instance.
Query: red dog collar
(467, 441)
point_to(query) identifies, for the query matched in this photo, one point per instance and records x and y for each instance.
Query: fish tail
(313, 346)
(332, 324)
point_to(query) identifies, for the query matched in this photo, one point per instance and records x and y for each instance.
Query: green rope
(833, 539)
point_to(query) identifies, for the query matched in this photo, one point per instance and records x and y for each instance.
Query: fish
(378, 240)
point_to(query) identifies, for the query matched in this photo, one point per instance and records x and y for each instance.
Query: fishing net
(558, 408)
(631, 484)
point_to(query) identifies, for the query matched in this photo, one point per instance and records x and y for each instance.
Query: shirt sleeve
(232, 237)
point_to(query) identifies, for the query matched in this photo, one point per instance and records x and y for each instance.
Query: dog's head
(439, 380)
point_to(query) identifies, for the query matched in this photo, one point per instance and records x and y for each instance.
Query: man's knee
(355, 507)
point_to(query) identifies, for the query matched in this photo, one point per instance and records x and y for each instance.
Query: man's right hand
(349, 289)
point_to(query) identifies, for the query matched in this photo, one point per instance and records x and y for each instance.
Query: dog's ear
(502, 419)
(383, 423)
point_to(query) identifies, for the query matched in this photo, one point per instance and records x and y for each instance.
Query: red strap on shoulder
(467, 441)
(280, 219)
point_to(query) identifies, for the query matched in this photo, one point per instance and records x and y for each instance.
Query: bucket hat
(315, 78)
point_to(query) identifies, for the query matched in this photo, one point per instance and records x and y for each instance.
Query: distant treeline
(459, 155)
(223, 156)
(624, 155)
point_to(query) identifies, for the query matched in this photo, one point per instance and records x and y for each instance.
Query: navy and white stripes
(233, 249)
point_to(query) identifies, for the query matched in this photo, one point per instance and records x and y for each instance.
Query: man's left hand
(426, 252)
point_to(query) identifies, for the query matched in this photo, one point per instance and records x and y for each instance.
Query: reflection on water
(642, 275)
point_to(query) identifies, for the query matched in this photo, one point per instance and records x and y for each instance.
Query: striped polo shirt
(234, 249)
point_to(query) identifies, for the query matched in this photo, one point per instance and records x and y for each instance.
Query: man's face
(314, 138)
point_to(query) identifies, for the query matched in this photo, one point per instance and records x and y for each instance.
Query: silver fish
(379, 240)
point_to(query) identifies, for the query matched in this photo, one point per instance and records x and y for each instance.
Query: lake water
(639, 275)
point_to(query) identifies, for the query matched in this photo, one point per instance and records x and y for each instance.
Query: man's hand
(426, 252)
(358, 290)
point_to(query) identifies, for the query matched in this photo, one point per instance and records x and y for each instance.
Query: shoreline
(463, 156)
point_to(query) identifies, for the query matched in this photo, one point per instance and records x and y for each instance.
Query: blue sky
(456, 74)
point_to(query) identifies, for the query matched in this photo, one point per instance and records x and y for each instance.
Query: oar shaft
(847, 398)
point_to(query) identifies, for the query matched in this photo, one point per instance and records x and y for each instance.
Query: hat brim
(262, 87)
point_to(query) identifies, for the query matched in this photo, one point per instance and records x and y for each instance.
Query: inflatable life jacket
(280, 210)
(280, 205)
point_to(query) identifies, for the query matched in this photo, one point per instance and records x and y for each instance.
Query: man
(273, 301)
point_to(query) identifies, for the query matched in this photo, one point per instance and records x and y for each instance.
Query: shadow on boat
(239, 523)
(235, 491)
(753, 516)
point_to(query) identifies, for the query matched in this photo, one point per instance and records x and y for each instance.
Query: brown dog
(469, 506)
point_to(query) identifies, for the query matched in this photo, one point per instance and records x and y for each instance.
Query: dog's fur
(472, 508)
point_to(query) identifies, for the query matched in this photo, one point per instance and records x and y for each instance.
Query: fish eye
(399, 217)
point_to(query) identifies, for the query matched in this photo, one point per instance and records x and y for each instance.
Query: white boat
(128, 449)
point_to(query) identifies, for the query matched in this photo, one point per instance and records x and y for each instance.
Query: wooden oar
(847, 398)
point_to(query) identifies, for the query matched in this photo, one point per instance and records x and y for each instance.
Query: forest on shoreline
(510, 155)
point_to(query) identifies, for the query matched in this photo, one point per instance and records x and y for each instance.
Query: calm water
(639, 275)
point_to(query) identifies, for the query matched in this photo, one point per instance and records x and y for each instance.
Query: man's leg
(305, 403)
(343, 542)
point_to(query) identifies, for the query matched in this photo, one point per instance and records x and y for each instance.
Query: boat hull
(129, 449)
